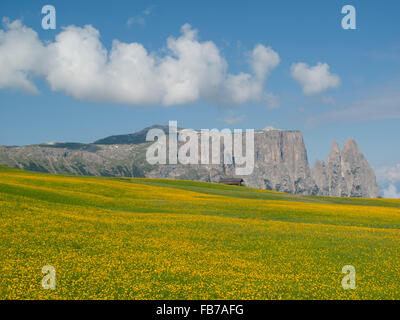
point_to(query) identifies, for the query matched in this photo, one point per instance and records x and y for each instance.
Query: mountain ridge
(280, 163)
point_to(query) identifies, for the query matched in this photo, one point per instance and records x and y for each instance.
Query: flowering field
(120, 238)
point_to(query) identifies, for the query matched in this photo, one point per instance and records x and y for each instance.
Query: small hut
(232, 181)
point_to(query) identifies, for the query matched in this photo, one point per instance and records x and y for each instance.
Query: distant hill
(133, 138)
(71, 146)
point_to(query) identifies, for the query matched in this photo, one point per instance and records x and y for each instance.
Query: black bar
(197, 309)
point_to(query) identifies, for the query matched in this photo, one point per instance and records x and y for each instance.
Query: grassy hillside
(114, 238)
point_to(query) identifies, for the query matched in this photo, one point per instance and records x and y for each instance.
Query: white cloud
(21, 56)
(377, 106)
(391, 192)
(389, 174)
(314, 79)
(140, 18)
(78, 64)
(135, 20)
(244, 87)
(388, 178)
(263, 60)
(233, 119)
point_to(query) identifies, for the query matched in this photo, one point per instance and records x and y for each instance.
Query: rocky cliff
(346, 173)
(280, 163)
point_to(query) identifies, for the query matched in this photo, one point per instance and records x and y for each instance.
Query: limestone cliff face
(320, 176)
(346, 173)
(280, 163)
(358, 175)
(336, 184)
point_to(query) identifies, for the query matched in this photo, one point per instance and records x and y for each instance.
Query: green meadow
(128, 238)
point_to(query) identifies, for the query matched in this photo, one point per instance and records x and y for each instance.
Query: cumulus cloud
(263, 60)
(245, 87)
(21, 55)
(388, 178)
(78, 64)
(314, 79)
(389, 174)
(391, 192)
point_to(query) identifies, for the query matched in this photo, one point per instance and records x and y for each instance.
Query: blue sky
(365, 106)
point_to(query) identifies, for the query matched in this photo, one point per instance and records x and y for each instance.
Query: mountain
(133, 138)
(280, 163)
(346, 173)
